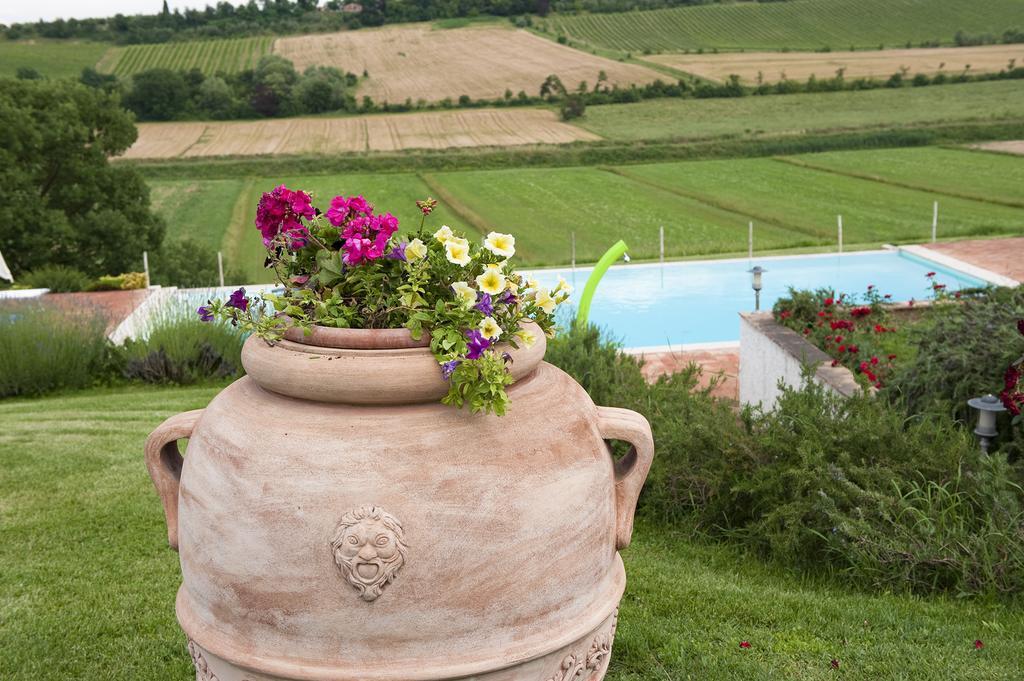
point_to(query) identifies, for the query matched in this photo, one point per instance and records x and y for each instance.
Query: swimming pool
(698, 302)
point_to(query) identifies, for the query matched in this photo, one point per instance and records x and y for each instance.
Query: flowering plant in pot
(348, 267)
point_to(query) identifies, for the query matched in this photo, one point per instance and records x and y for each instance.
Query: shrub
(120, 282)
(57, 278)
(180, 349)
(185, 262)
(44, 349)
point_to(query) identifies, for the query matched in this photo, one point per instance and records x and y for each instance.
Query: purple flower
(507, 298)
(448, 368)
(238, 300)
(476, 344)
(205, 314)
(398, 251)
(485, 306)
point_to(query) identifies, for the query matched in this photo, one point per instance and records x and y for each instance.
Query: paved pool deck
(1003, 256)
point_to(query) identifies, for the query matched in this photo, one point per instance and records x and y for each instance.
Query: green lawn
(797, 24)
(704, 205)
(958, 172)
(808, 201)
(209, 56)
(52, 58)
(87, 586)
(541, 206)
(806, 113)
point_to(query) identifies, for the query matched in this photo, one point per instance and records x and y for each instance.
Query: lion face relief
(369, 549)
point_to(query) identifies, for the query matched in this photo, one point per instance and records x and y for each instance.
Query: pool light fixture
(988, 408)
(755, 283)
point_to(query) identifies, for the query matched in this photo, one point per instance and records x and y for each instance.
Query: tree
(185, 262)
(28, 73)
(552, 87)
(216, 98)
(273, 80)
(321, 88)
(573, 106)
(157, 95)
(64, 203)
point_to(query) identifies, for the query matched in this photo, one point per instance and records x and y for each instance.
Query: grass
(983, 176)
(87, 590)
(52, 58)
(803, 113)
(209, 56)
(704, 205)
(798, 24)
(808, 201)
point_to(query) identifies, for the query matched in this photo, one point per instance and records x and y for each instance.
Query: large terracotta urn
(335, 522)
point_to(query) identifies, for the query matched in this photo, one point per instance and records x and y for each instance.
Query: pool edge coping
(922, 251)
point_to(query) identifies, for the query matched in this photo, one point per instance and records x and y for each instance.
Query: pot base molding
(585, 659)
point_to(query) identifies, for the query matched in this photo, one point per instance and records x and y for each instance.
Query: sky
(17, 11)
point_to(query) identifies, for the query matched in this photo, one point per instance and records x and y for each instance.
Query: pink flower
(280, 211)
(744, 644)
(978, 645)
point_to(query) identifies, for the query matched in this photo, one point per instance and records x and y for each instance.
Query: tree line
(281, 17)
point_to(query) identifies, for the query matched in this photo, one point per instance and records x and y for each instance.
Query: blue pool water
(698, 302)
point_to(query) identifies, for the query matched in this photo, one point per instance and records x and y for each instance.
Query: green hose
(612, 254)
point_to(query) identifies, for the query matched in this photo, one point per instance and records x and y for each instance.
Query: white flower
(489, 328)
(492, 281)
(464, 293)
(501, 244)
(563, 285)
(443, 234)
(416, 250)
(457, 250)
(526, 338)
(544, 301)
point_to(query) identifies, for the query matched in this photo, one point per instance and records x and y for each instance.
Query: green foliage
(184, 262)
(573, 106)
(44, 349)
(157, 95)
(611, 378)
(179, 349)
(962, 352)
(66, 204)
(57, 278)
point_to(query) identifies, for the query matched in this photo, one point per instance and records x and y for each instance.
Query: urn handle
(163, 460)
(631, 470)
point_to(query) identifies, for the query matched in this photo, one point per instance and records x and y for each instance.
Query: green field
(704, 205)
(209, 56)
(797, 24)
(957, 172)
(807, 201)
(88, 583)
(52, 58)
(806, 113)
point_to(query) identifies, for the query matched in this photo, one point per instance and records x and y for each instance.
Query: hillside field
(704, 205)
(420, 61)
(771, 67)
(796, 24)
(52, 58)
(797, 114)
(209, 56)
(387, 132)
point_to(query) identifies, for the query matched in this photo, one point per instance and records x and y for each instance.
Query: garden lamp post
(988, 408)
(755, 283)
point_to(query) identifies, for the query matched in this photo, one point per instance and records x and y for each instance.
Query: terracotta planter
(335, 522)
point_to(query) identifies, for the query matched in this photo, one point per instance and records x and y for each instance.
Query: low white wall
(771, 353)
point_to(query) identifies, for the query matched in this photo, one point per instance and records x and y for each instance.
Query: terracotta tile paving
(113, 306)
(724, 362)
(1002, 256)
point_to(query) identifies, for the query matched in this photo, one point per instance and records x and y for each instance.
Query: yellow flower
(544, 301)
(501, 244)
(526, 338)
(491, 281)
(457, 250)
(443, 234)
(416, 250)
(465, 294)
(563, 285)
(489, 328)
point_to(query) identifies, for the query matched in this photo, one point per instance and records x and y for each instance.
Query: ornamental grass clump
(348, 268)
